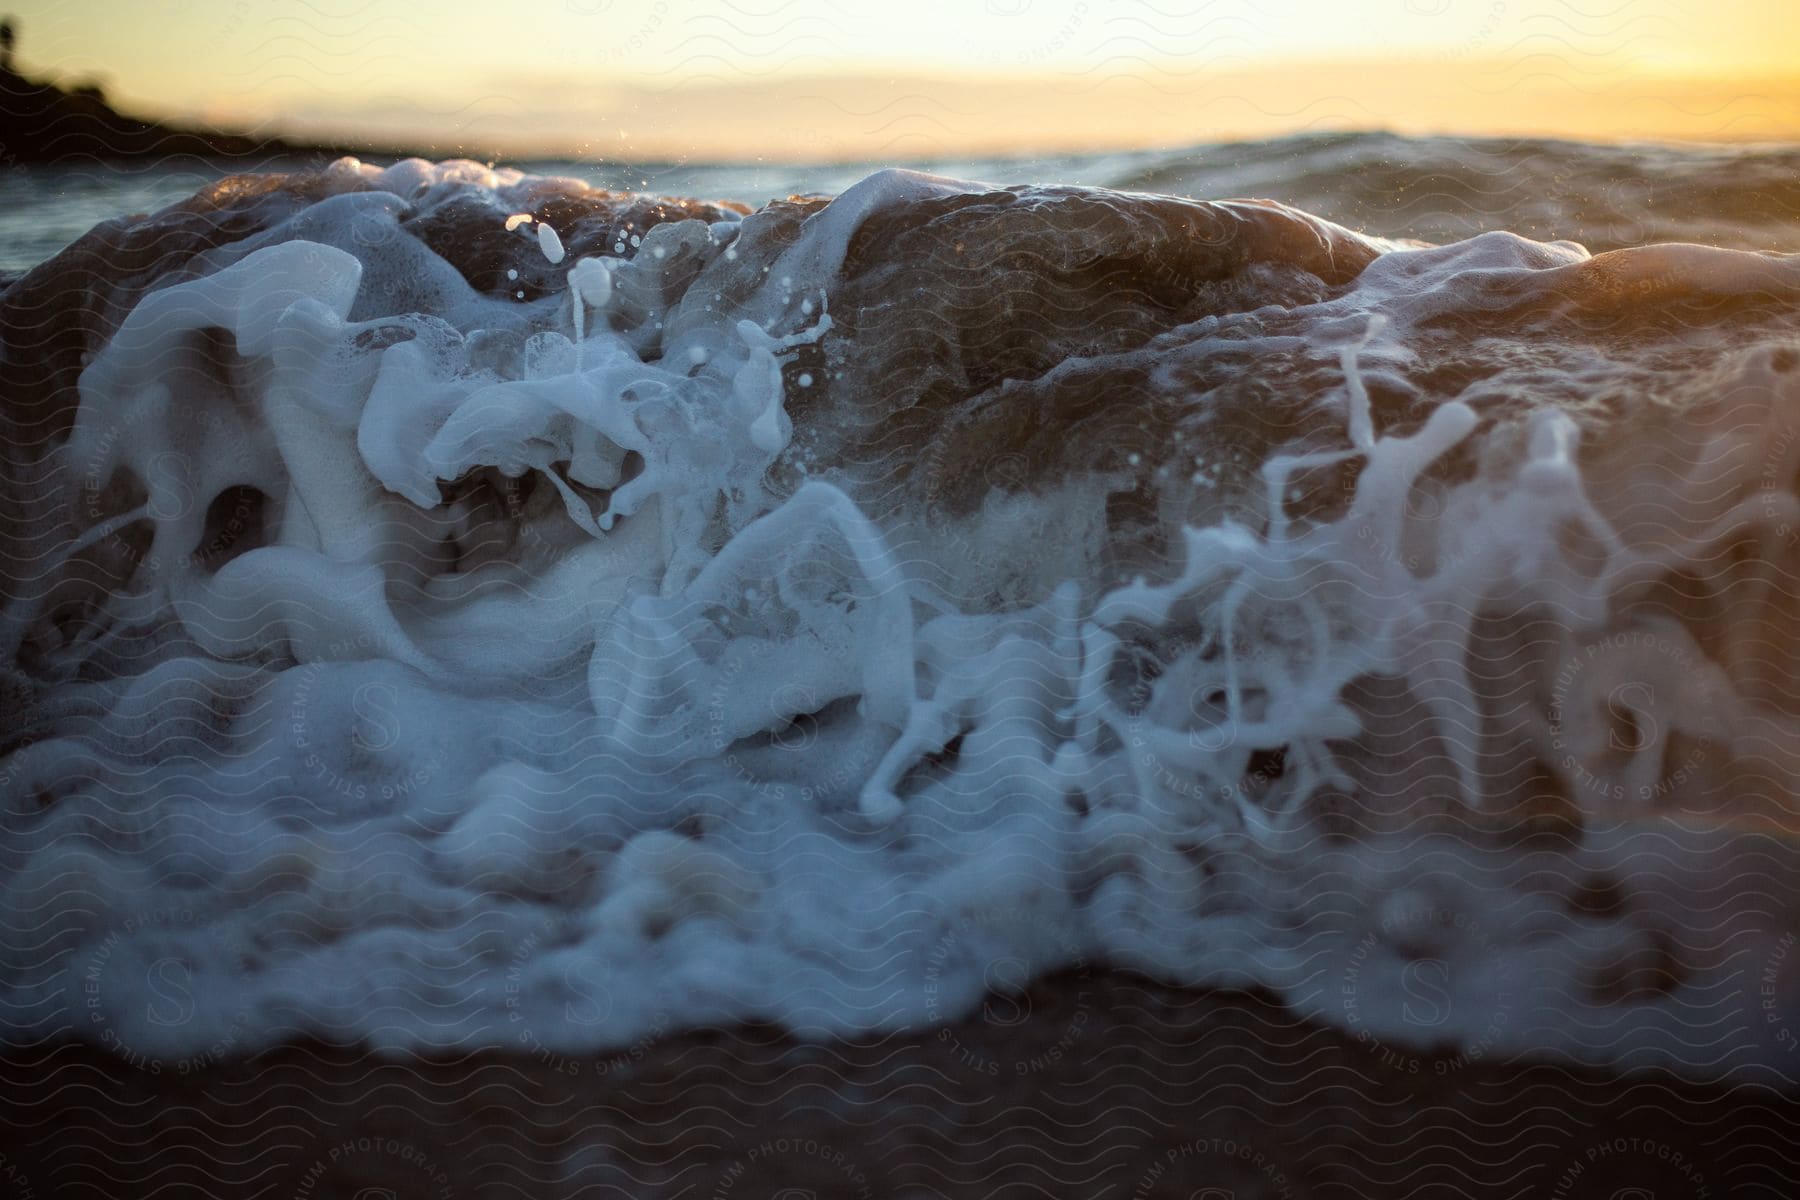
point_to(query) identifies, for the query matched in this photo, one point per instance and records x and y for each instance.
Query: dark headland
(50, 122)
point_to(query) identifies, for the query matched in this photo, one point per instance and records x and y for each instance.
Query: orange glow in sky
(857, 79)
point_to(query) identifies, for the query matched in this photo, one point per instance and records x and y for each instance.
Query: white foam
(691, 751)
(549, 243)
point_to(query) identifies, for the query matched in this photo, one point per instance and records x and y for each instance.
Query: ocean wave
(451, 607)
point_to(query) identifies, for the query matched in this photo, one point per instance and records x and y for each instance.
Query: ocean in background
(1437, 189)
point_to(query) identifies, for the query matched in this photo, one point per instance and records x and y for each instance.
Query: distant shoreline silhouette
(48, 122)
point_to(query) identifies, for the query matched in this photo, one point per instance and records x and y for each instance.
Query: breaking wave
(454, 608)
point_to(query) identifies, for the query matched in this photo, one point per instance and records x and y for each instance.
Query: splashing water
(796, 613)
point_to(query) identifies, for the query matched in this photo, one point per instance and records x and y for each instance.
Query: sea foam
(834, 613)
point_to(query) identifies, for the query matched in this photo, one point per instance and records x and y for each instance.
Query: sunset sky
(831, 79)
